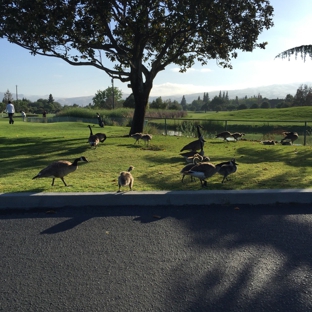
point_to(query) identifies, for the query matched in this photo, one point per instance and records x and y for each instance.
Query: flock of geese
(198, 165)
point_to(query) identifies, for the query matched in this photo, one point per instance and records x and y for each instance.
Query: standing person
(10, 109)
(23, 115)
(44, 114)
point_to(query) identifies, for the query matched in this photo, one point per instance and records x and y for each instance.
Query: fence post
(165, 126)
(305, 134)
(225, 125)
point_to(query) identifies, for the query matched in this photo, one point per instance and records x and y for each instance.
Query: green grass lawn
(27, 147)
(301, 113)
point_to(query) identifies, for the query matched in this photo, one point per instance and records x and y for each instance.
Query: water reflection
(174, 133)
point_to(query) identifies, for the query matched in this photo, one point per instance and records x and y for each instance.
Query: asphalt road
(212, 258)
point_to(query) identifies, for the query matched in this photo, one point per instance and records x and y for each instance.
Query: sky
(41, 75)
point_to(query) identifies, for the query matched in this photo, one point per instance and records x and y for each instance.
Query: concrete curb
(162, 198)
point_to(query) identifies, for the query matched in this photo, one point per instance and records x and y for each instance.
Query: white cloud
(166, 89)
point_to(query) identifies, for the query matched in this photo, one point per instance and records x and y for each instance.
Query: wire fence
(257, 130)
(254, 130)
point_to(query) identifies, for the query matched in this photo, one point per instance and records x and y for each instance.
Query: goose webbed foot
(203, 183)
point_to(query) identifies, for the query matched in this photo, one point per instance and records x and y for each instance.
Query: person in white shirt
(10, 109)
(23, 115)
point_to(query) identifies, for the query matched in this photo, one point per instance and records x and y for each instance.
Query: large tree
(303, 51)
(139, 37)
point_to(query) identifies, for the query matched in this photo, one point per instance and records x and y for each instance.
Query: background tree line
(303, 97)
(112, 98)
(29, 107)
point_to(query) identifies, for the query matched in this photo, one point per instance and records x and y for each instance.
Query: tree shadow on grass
(271, 154)
(26, 154)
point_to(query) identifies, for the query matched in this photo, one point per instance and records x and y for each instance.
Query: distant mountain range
(276, 91)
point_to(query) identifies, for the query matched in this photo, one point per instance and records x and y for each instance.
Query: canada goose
(237, 135)
(146, 138)
(125, 178)
(195, 160)
(190, 155)
(286, 143)
(137, 136)
(203, 171)
(59, 169)
(224, 135)
(198, 156)
(100, 120)
(100, 136)
(195, 145)
(93, 139)
(227, 168)
(292, 136)
(268, 142)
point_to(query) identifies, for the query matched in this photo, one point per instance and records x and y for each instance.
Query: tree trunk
(141, 93)
(138, 116)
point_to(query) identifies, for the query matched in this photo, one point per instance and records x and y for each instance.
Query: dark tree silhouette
(304, 51)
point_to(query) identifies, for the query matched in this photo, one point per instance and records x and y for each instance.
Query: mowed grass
(302, 113)
(26, 148)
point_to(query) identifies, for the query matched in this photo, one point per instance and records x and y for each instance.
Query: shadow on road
(215, 258)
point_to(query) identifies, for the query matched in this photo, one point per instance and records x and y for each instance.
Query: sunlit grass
(301, 113)
(26, 148)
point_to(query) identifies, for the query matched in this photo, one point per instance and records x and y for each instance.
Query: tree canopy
(140, 38)
(104, 99)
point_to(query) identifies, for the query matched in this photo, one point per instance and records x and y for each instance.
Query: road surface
(201, 258)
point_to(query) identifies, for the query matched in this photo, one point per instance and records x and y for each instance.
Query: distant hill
(276, 91)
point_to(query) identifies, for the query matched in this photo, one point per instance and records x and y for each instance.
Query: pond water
(174, 133)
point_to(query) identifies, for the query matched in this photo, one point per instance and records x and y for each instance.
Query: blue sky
(39, 75)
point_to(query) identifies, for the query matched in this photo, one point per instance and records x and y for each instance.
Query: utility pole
(16, 94)
(113, 93)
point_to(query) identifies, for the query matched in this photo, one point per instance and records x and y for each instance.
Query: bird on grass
(146, 138)
(227, 168)
(201, 158)
(137, 136)
(59, 169)
(93, 140)
(125, 178)
(100, 136)
(185, 170)
(203, 171)
(191, 154)
(268, 142)
(291, 136)
(195, 145)
(224, 135)
(100, 120)
(237, 135)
